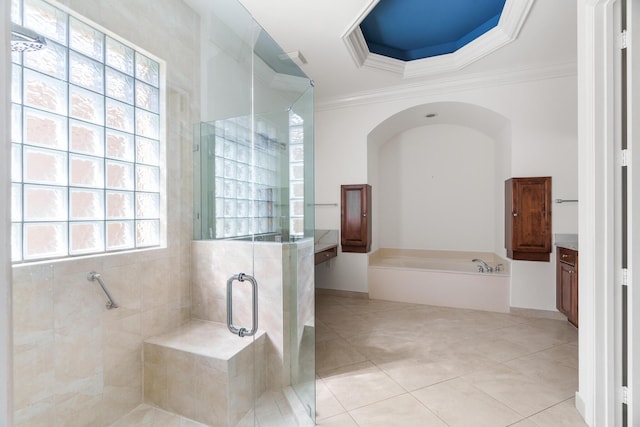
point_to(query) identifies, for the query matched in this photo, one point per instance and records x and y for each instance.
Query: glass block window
(296, 175)
(86, 144)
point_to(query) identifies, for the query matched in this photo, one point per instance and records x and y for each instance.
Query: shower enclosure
(253, 206)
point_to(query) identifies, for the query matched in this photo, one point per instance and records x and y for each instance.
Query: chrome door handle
(242, 332)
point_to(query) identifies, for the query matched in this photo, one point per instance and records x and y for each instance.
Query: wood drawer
(326, 255)
(567, 256)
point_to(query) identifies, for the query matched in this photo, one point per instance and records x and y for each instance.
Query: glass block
(219, 206)
(86, 72)
(119, 85)
(16, 11)
(44, 240)
(147, 97)
(119, 175)
(296, 135)
(243, 190)
(296, 226)
(85, 171)
(86, 237)
(119, 56)
(16, 123)
(45, 129)
(219, 228)
(147, 205)
(16, 162)
(147, 124)
(243, 172)
(86, 105)
(119, 235)
(229, 169)
(119, 205)
(44, 203)
(147, 178)
(147, 70)
(230, 149)
(297, 190)
(219, 166)
(120, 145)
(51, 60)
(46, 20)
(296, 171)
(16, 242)
(119, 115)
(229, 188)
(16, 202)
(230, 228)
(86, 138)
(85, 204)
(85, 39)
(147, 233)
(230, 208)
(147, 151)
(220, 187)
(297, 208)
(41, 166)
(16, 57)
(243, 226)
(44, 92)
(296, 153)
(16, 83)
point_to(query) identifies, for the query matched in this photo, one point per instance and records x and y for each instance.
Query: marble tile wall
(76, 363)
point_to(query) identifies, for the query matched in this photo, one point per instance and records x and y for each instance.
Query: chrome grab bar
(92, 276)
(242, 332)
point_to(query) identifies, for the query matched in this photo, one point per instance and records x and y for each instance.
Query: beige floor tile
(342, 420)
(336, 353)
(480, 410)
(561, 378)
(564, 414)
(523, 394)
(400, 411)
(525, 423)
(327, 405)
(360, 384)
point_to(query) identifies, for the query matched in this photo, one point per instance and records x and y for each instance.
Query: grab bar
(242, 332)
(92, 276)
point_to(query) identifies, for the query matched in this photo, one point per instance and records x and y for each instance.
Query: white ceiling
(316, 28)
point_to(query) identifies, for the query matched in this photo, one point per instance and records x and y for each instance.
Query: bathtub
(441, 278)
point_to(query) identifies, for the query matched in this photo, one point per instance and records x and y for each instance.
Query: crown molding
(511, 20)
(447, 85)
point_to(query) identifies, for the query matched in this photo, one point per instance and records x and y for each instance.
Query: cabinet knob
(565, 255)
(515, 214)
(364, 214)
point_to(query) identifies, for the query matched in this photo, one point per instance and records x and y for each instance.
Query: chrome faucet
(484, 266)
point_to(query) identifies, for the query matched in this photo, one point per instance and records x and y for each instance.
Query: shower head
(25, 40)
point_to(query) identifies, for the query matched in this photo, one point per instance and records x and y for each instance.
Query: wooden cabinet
(567, 284)
(355, 211)
(528, 218)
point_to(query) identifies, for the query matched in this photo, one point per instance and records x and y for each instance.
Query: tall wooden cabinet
(567, 284)
(355, 211)
(528, 218)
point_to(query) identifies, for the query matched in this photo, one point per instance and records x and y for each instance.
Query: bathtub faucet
(481, 268)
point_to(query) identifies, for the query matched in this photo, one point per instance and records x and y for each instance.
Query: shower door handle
(242, 332)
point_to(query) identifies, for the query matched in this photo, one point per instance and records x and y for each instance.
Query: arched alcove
(438, 172)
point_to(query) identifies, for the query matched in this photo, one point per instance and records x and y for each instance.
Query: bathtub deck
(395, 278)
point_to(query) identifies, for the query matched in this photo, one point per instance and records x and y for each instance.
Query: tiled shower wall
(75, 362)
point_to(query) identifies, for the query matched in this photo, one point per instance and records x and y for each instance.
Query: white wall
(436, 189)
(541, 138)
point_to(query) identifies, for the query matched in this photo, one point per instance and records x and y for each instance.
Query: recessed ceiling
(415, 29)
(416, 38)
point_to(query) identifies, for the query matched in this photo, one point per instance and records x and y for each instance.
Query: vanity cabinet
(528, 218)
(355, 213)
(567, 284)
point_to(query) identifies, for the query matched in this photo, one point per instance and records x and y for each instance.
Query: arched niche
(438, 180)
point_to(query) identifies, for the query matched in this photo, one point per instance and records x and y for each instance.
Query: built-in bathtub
(441, 278)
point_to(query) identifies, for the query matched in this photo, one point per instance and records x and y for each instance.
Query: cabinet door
(528, 218)
(356, 223)
(566, 303)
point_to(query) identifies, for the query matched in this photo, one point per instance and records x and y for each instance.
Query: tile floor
(392, 364)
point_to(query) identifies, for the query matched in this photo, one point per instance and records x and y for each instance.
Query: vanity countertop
(567, 241)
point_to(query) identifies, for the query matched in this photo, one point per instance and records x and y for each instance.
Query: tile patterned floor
(392, 364)
(387, 364)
